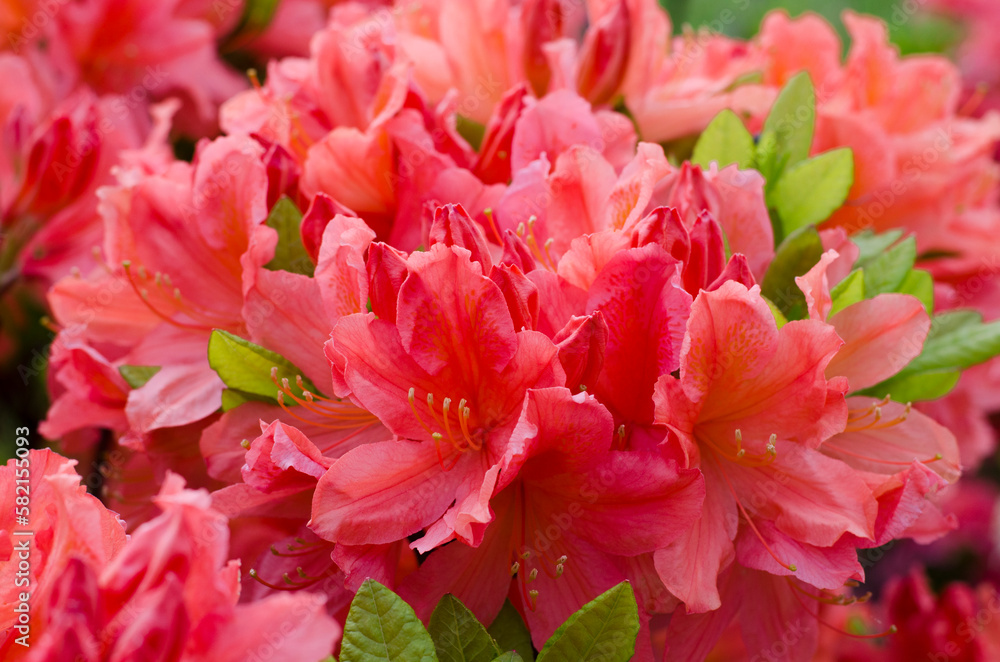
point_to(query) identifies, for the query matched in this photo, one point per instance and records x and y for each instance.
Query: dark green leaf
(725, 141)
(289, 254)
(458, 636)
(381, 627)
(256, 16)
(510, 633)
(471, 130)
(138, 375)
(810, 191)
(603, 629)
(795, 256)
(509, 656)
(244, 366)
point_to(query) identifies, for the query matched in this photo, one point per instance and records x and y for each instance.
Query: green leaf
(509, 656)
(329, 658)
(872, 245)
(917, 387)
(848, 292)
(458, 636)
(812, 190)
(289, 254)
(886, 272)
(920, 284)
(244, 366)
(957, 349)
(257, 15)
(779, 317)
(725, 141)
(510, 632)
(138, 375)
(380, 626)
(604, 629)
(796, 255)
(792, 122)
(952, 321)
(231, 399)
(765, 157)
(471, 130)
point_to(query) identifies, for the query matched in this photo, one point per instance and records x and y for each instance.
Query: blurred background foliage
(911, 27)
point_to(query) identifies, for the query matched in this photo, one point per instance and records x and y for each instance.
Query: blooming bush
(485, 330)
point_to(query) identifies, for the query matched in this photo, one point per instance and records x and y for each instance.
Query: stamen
(514, 568)
(496, 233)
(892, 628)
(533, 575)
(533, 244)
(413, 407)
(144, 296)
(788, 566)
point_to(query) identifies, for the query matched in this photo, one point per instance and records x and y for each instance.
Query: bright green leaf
(289, 254)
(848, 292)
(381, 627)
(604, 629)
(458, 636)
(958, 349)
(872, 245)
(511, 634)
(952, 321)
(796, 255)
(917, 387)
(792, 122)
(809, 192)
(765, 158)
(886, 272)
(725, 141)
(920, 284)
(779, 317)
(244, 366)
(137, 375)
(231, 399)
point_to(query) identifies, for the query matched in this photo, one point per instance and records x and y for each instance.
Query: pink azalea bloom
(447, 376)
(67, 522)
(137, 50)
(175, 279)
(948, 626)
(733, 414)
(904, 455)
(547, 546)
(171, 590)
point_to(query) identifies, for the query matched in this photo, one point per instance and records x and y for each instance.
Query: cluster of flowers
(452, 305)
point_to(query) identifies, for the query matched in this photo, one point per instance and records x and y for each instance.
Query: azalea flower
(448, 377)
